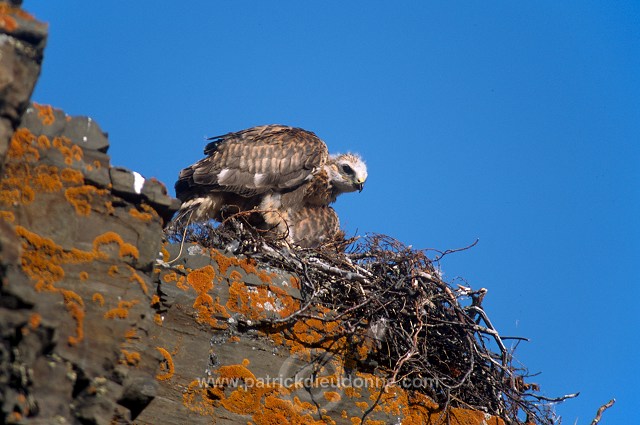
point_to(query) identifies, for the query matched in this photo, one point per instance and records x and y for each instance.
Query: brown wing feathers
(273, 162)
(254, 161)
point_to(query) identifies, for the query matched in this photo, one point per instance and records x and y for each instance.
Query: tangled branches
(393, 297)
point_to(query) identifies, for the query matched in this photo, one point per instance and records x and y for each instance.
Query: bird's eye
(347, 169)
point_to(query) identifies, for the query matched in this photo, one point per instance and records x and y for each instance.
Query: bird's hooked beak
(360, 185)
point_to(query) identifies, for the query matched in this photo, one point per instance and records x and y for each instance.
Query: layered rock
(22, 41)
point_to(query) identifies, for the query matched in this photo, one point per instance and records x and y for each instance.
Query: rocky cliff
(104, 322)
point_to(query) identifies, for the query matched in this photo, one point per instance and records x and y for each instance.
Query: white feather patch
(258, 179)
(224, 174)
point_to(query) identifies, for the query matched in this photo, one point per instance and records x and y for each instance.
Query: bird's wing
(254, 161)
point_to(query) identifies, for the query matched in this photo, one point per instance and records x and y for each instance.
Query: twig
(334, 270)
(555, 399)
(601, 411)
(183, 239)
(451, 251)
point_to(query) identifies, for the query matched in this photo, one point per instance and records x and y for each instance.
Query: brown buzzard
(284, 175)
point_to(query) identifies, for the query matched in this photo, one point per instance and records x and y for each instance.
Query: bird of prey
(283, 175)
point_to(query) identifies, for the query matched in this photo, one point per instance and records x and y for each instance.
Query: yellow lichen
(83, 275)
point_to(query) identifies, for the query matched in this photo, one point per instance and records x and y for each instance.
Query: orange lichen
(135, 277)
(266, 277)
(199, 399)
(43, 142)
(22, 146)
(155, 300)
(235, 275)
(165, 253)
(142, 216)
(8, 9)
(259, 302)
(332, 396)
(363, 405)
(46, 179)
(108, 205)
(70, 151)
(98, 298)
(157, 319)
(72, 176)
(45, 113)
(130, 333)
(82, 196)
(108, 238)
(276, 410)
(209, 310)
(224, 262)
(167, 368)
(295, 282)
(83, 275)
(15, 192)
(8, 23)
(170, 277)
(34, 320)
(42, 258)
(74, 304)
(7, 216)
(113, 271)
(352, 392)
(131, 358)
(122, 311)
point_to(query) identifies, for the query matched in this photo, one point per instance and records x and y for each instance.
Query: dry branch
(601, 411)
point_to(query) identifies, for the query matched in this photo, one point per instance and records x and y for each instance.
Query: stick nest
(394, 295)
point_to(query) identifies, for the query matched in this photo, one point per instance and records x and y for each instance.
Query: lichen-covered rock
(221, 365)
(22, 41)
(76, 290)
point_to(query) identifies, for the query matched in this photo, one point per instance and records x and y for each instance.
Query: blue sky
(514, 122)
